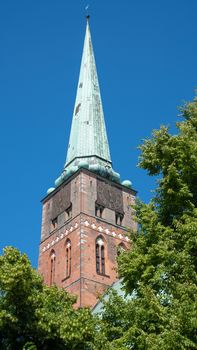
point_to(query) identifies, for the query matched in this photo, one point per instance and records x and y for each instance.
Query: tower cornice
(93, 174)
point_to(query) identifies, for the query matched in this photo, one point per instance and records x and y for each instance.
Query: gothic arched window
(102, 259)
(68, 258)
(52, 267)
(100, 256)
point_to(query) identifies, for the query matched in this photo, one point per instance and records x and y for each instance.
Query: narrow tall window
(102, 259)
(52, 272)
(68, 213)
(97, 258)
(118, 218)
(54, 224)
(99, 210)
(100, 256)
(68, 258)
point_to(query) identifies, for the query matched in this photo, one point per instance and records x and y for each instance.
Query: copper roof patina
(88, 144)
(88, 137)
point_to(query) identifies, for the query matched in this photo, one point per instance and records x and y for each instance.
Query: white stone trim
(85, 223)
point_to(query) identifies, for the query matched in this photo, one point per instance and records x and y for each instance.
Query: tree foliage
(37, 317)
(160, 269)
(159, 272)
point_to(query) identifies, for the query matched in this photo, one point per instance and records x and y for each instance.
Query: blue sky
(146, 55)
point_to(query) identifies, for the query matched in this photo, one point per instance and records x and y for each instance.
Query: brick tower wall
(69, 214)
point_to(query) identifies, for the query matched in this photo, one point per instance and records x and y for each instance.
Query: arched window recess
(68, 213)
(68, 258)
(99, 210)
(52, 267)
(100, 256)
(119, 218)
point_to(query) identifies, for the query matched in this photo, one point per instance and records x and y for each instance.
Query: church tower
(86, 216)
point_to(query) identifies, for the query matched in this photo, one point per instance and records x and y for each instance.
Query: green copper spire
(88, 138)
(88, 145)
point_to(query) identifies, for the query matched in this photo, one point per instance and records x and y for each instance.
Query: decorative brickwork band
(86, 223)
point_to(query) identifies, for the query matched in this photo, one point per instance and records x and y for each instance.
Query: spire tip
(87, 14)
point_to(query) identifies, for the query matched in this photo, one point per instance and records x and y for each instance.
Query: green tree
(34, 316)
(160, 269)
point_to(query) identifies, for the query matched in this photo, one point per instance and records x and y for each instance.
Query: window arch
(68, 258)
(52, 267)
(100, 256)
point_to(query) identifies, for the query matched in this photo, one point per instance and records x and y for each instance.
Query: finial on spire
(87, 15)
